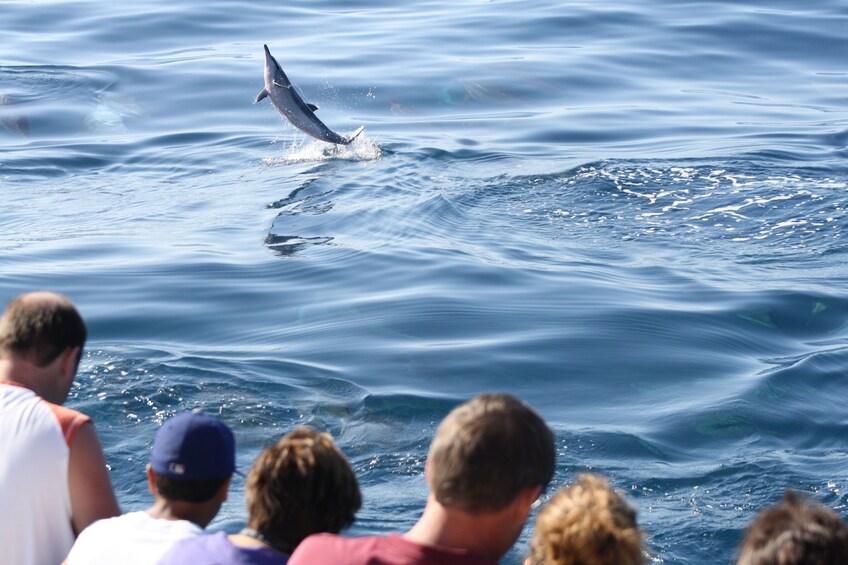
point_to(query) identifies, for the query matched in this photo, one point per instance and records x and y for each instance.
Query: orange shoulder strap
(69, 420)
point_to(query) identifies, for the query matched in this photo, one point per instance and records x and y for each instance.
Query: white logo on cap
(176, 468)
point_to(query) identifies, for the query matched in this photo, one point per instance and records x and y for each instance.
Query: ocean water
(630, 214)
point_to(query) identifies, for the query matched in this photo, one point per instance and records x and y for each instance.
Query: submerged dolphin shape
(15, 123)
(286, 99)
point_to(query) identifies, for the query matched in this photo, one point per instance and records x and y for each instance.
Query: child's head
(586, 523)
(795, 532)
(300, 486)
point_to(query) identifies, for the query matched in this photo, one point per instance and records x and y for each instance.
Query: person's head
(487, 451)
(795, 532)
(45, 331)
(192, 461)
(586, 523)
(300, 486)
(40, 326)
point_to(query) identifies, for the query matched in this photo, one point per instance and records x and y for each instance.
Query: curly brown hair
(300, 486)
(586, 523)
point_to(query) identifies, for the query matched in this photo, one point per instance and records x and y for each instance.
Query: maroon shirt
(378, 550)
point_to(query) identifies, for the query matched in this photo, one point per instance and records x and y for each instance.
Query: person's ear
(535, 495)
(151, 479)
(427, 472)
(63, 370)
(525, 500)
(224, 490)
(69, 362)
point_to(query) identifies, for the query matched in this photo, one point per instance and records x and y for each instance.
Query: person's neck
(15, 371)
(250, 537)
(453, 529)
(7, 371)
(164, 509)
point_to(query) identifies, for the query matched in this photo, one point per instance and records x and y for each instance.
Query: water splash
(311, 151)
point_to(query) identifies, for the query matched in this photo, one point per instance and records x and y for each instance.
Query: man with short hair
(489, 461)
(795, 532)
(53, 476)
(189, 475)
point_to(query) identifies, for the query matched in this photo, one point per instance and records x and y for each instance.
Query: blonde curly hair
(586, 523)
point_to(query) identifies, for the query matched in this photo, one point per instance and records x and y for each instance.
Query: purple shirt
(216, 549)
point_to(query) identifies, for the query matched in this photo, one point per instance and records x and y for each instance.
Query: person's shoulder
(325, 540)
(97, 536)
(136, 521)
(11, 389)
(69, 420)
(392, 549)
(333, 548)
(398, 549)
(106, 526)
(26, 403)
(162, 529)
(196, 549)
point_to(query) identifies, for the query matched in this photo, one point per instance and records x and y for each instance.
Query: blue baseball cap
(193, 446)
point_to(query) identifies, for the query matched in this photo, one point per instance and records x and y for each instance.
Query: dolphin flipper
(261, 95)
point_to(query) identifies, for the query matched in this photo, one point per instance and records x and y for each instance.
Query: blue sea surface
(633, 215)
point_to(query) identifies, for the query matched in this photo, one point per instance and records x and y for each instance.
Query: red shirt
(378, 550)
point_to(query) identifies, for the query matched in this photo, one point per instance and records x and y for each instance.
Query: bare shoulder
(92, 497)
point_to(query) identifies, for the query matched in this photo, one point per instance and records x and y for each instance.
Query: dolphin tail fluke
(354, 135)
(261, 95)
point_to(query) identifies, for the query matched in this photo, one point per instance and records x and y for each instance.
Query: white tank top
(35, 505)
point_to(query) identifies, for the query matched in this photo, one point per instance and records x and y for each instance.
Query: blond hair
(587, 523)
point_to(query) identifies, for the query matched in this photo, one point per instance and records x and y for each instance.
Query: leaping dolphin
(286, 99)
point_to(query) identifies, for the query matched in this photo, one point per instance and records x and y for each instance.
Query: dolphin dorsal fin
(312, 107)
